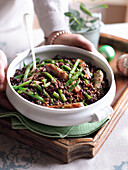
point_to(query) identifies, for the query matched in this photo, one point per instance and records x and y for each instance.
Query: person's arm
(51, 16)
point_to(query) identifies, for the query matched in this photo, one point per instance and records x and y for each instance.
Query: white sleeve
(51, 15)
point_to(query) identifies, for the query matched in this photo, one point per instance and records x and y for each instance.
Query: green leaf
(100, 6)
(68, 14)
(75, 13)
(71, 21)
(77, 27)
(77, 20)
(82, 7)
(94, 20)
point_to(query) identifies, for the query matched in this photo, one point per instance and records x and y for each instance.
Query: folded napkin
(21, 122)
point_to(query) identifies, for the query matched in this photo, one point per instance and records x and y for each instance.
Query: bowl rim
(55, 47)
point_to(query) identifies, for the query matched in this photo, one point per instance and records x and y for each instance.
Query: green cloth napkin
(21, 122)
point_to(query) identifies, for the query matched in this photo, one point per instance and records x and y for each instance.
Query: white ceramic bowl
(62, 117)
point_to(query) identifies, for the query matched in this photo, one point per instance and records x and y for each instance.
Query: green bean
(30, 93)
(24, 64)
(41, 64)
(73, 86)
(19, 92)
(75, 66)
(62, 95)
(66, 67)
(56, 95)
(44, 80)
(52, 100)
(47, 84)
(37, 86)
(87, 95)
(83, 101)
(68, 63)
(46, 61)
(36, 82)
(50, 76)
(86, 81)
(29, 68)
(19, 76)
(44, 69)
(21, 85)
(82, 76)
(70, 75)
(60, 60)
(49, 61)
(73, 77)
(45, 93)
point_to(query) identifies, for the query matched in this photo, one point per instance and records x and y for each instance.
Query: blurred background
(117, 11)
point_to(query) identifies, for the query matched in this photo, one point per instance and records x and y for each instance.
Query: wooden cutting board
(69, 149)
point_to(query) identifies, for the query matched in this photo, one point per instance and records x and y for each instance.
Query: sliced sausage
(87, 71)
(98, 78)
(57, 71)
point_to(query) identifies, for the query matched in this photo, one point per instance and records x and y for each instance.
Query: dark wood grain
(69, 149)
(117, 42)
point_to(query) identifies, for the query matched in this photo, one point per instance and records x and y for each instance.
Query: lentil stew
(60, 82)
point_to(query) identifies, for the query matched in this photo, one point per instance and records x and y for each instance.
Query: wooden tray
(69, 149)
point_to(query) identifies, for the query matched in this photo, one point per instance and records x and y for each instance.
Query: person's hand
(76, 40)
(3, 69)
(4, 102)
